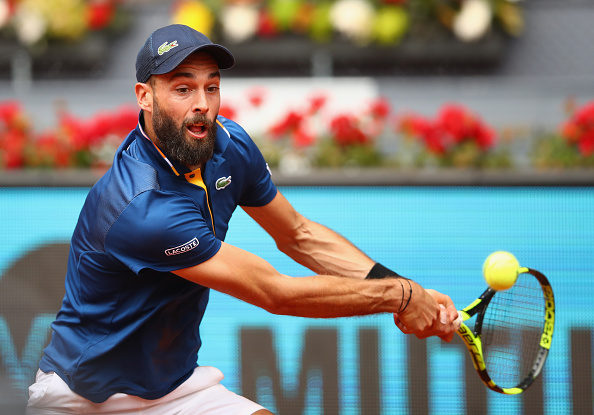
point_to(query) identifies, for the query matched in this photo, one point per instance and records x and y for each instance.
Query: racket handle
(458, 321)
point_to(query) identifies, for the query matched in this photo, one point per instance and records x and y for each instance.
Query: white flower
(30, 25)
(294, 164)
(354, 19)
(240, 22)
(473, 21)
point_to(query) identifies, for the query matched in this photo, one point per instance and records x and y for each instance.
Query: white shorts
(200, 394)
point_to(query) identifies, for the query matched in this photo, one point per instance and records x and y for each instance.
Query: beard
(174, 143)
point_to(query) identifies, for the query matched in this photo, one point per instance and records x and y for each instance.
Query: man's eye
(183, 90)
(212, 88)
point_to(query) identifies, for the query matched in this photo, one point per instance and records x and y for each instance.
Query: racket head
(512, 334)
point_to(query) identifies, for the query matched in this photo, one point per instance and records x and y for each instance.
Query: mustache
(198, 119)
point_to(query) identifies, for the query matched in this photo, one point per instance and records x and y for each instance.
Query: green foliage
(330, 154)
(391, 24)
(283, 12)
(321, 28)
(553, 151)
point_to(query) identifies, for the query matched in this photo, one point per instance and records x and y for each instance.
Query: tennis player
(149, 245)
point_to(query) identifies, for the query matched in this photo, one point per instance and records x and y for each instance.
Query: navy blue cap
(168, 46)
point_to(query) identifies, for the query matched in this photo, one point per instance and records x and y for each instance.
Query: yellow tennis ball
(501, 270)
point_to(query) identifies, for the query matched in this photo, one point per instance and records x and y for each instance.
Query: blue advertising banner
(438, 236)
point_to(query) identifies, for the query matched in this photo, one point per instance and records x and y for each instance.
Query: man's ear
(144, 96)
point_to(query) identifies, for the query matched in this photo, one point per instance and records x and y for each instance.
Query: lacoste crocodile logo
(223, 182)
(166, 47)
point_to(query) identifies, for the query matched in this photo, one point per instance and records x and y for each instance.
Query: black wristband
(379, 271)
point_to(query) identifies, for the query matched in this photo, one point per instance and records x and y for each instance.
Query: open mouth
(198, 130)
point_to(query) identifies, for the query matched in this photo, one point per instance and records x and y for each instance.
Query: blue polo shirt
(127, 324)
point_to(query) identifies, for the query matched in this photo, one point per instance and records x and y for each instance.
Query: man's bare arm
(310, 244)
(250, 278)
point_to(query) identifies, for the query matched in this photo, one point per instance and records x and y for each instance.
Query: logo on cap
(166, 47)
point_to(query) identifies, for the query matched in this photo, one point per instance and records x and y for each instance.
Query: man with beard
(149, 245)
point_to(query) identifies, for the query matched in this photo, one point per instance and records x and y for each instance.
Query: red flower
(51, 151)
(413, 125)
(10, 111)
(302, 138)
(84, 134)
(458, 125)
(346, 131)
(124, 121)
(571, 132)
(98, 128)
(288, 125)
(380, 108)
(579, 129)
(421, 128)
(11, 6)
(453, 126)
(586, 144)
(12, 149)
(453, 123)
(485, 137)
(100, 13)
(227, 111)
(433, 139)
(61, 146)
(316, 103)
(585, 116)
(256, 96)
(267, 27)
(75, 132)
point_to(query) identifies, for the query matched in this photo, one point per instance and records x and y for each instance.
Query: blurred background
(429, 132)
(489, 84)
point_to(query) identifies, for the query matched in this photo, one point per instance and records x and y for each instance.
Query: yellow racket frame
(473, 342)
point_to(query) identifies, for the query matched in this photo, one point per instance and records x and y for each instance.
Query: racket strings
(512, 327)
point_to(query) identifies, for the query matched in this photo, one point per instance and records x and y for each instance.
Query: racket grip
(458, 322)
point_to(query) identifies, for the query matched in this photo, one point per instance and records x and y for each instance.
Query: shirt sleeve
(259, 188)
(161, 231)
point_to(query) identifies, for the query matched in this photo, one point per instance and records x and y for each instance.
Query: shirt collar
(222, 140)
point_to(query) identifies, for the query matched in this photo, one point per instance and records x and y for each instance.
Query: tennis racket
(512, 332)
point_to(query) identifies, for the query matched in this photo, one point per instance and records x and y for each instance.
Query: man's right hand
(429, 313)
